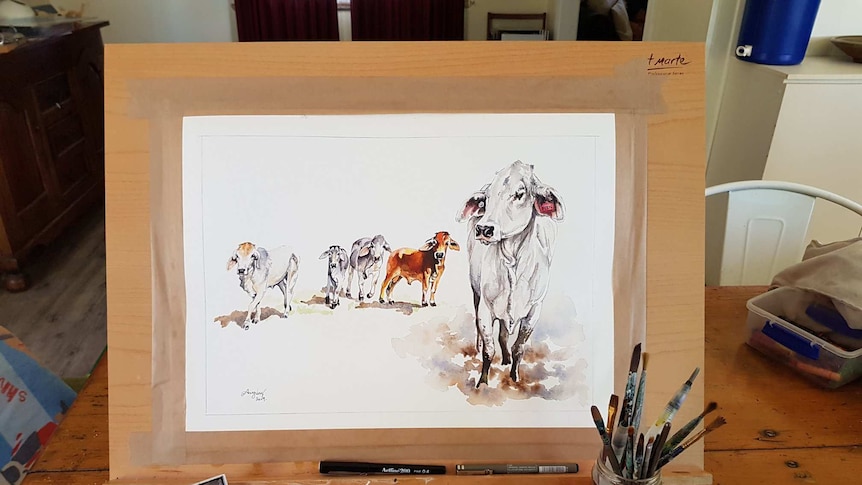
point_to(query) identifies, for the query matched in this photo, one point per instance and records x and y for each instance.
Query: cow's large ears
(324, 254)
(548, 202)
(364, 250)
(454, 246)
(386, 246)
(231, 262)
(259, 255)
(342, 254)
(429, 245)
(474, 207)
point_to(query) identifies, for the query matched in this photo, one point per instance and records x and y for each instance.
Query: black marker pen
(359, 468)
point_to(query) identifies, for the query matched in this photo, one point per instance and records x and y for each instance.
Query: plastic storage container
(816, 359)
(776, 31)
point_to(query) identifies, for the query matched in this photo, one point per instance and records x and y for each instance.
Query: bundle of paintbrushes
(634, 455)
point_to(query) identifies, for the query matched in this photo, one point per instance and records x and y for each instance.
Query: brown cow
(425, 264)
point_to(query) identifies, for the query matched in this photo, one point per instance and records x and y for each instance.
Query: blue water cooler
(776, 31)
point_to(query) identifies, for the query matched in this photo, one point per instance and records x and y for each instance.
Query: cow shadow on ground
(402, 307)
(321, 299)
(237, 317)
(315, 300)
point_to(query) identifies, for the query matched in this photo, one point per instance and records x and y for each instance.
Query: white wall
(817, 143)
(564, 19)
(345, 28)
(476, 26)
(553, 7)
(142, 21)
(835, 17)
(677, 20)
(721, 43)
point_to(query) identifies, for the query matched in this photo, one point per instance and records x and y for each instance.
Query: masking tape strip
(632, 94)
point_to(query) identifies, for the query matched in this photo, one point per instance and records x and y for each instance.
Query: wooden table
(781, 429)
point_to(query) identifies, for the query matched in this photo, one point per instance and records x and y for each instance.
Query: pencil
(683, 432)
(606, 440)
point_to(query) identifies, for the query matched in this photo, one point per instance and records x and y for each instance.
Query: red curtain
(407, 19)
(276, 20)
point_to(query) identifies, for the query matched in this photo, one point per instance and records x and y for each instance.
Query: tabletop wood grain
(781, 429)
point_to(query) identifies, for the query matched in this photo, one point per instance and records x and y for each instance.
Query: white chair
(764, 231)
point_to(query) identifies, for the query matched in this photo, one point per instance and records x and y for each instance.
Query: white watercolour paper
(311, 182)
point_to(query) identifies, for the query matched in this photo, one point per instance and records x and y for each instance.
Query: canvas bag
(831, 274)
(33, 401)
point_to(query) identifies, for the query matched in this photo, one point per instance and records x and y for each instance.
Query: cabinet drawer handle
(58, 105)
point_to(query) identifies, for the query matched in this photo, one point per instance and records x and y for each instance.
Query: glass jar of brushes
(604, 475)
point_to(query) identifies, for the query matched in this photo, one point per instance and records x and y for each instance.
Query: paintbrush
(680, 435)
(647, 457)
(656, 449)
(619, 439)
(613, 405)
(667, 457)
(639, 458)
(675, 403)
(628, 455)
(608, 453)
(639, 398)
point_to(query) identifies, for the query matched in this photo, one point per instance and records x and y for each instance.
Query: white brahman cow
(512, 231)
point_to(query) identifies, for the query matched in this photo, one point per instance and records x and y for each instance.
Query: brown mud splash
(237, 317)
(446, 347)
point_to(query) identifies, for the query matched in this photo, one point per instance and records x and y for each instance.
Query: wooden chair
(765, 229)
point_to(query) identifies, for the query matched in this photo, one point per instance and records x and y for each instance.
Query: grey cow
(336, 268)
(512, 227)
(365, 256)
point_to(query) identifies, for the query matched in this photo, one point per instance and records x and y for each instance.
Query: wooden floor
(62, 317)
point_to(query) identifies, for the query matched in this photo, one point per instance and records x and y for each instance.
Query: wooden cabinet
(51, 141)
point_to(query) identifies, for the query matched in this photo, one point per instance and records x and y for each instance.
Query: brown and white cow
(425, 264)
(512, 223)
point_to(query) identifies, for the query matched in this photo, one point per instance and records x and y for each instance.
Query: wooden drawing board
(655, 90)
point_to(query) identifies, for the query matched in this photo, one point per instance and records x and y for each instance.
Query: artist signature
(666, 65)
(258, 396)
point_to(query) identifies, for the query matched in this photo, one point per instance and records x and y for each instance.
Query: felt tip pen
(515, 469)
(360, 468)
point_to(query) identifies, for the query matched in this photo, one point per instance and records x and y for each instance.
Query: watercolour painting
(398, 271)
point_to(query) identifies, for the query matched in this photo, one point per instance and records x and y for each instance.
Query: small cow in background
(425, 264)
(512, 224)
(336, 266)
(260, 270)
(365, 256)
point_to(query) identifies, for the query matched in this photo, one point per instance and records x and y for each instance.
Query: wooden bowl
(850, 45)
